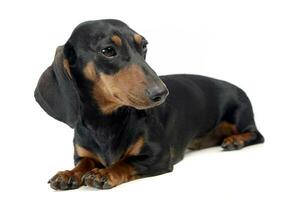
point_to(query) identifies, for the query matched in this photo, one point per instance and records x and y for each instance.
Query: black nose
(157, 94)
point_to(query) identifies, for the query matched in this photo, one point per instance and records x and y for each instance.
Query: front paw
(66, 180)
(100, 178)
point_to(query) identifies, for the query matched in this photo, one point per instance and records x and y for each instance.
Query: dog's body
(126, 125)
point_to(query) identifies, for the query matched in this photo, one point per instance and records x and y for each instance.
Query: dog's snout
(157, 94)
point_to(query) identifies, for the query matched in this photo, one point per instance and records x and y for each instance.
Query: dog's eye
(109, 52)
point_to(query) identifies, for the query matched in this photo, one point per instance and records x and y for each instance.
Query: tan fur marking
(116, 39)
(214, 137)
(137, 38)
(67, 67)
(103, 95)
(100, 91)
(135, 149)
(127, 87)
(225, 129)
(240, 138)
(119, 173)
(89, 71)
(82, 152)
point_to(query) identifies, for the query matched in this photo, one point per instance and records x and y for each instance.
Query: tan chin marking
(123, 88)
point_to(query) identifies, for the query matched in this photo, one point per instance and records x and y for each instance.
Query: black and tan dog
(126, 125)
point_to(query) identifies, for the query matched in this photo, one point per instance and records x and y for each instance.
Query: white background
(238, 41)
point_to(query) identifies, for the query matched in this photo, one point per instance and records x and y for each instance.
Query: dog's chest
(114, 151)
(109, 155)
(107, 148)
(110, 142)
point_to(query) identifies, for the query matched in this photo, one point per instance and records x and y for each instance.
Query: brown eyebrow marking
(138, 38)
(116, 39)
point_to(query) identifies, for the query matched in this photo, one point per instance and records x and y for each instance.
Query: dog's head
(103, 63)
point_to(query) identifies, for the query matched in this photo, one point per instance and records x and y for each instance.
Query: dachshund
(129, 122)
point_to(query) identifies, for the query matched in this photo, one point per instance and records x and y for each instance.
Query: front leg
(107, 178)
(140, 160)
(124, 171)
(72, 179)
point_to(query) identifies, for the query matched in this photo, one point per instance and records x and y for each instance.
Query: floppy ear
(56, 92)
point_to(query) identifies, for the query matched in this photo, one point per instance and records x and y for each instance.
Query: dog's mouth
(141, 102)
(149, 106)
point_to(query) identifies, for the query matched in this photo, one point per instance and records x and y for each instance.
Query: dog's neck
(108, 125)
(94, 118)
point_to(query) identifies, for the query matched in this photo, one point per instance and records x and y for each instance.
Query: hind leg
(236, 129)
(245, 132)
